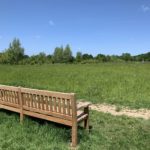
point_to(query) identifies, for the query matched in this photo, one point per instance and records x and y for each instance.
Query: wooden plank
(5, 92)
(12, 88)
(10, 97)
(49, 118)
(35, 101)
(50, 103)
(15, 96)
(2, 95)
(13, 99)
(31, 100)
(81, 105)
(68, 107)
(10, 108)
(21, 104)
(10, 104)
(47, 93)
(38, 102)
(5, 99)
(46, 102)
(83, 117)
(54, 104)
(74, 122)
(48, 113)
(25, 99)
(28, 100)
(42, 102)
(64, 106)
(59, 105)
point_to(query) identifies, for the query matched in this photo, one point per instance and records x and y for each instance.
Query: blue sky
(89, 26)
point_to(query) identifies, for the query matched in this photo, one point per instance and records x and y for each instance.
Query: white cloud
(145, 8)
(51, 23)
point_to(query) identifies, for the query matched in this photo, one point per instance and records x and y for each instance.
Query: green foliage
(62, 55)
(142, 57)
(126, 57)
(67, 54)
(101, 58)
(87, 56)
(78, 57)
(14, 53)
(58, 55)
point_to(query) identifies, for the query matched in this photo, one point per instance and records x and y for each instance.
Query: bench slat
(47, 113)
(49, 118)
(48, 93)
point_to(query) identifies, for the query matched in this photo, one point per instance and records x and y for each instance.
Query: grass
(121, 84)
(108, 132)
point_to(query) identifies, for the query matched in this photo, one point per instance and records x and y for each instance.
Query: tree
(58, 55)
(14, 53)
(41, 58)
(79, 57)
(87, 56)
(101, 58)
(126, 56)
(67, 54)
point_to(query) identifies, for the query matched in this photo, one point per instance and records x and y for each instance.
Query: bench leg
(86, 124)
(74, 135)
(86, 121)
(21, 117)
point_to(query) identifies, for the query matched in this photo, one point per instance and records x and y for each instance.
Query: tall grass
(125, 84)
(108, 132)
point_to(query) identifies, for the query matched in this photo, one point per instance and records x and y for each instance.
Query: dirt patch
(118, 111)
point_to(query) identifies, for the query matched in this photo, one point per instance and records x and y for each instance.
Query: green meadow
(125, 84)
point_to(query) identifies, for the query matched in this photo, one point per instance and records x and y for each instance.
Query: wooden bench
(52, 106)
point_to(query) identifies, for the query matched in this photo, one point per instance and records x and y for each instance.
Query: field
(119, 84)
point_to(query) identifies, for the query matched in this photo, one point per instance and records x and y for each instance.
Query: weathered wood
(74, 121)
(10, 88)
(10, 108)
(86, 121)
(81, 105)
(10, 104)
(21, 104)
(47, 113)
(49, 118)
(52, 106)
(48, 93)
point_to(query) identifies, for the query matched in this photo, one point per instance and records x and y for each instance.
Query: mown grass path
(120, 111)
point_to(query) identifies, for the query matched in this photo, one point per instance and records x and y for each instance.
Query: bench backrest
(51, 103)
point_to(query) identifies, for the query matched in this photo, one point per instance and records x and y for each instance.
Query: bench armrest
(81, 105)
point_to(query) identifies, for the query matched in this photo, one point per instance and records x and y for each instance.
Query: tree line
(15, 54)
